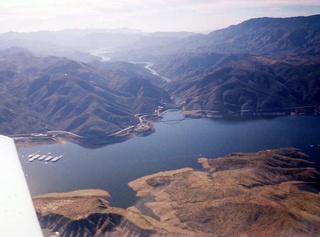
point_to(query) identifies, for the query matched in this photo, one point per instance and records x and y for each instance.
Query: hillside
(246, 83)
(266, 36)
(268, 193)
(87, 213)
(51, 93)
(264, 65)
(295, 35)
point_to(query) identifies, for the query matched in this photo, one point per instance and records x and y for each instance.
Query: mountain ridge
(53, 93)
(214, 74)
(276, 35)
(294, 35)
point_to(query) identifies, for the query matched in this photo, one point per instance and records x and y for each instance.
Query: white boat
(57, 158)
(49, 158)
(33, 154)
(36, 156)
(42, 157)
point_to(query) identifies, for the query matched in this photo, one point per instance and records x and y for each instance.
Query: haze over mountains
(263, 65)
(75, 43)
(255, 36)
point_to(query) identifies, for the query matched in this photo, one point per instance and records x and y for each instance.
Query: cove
(177, 143)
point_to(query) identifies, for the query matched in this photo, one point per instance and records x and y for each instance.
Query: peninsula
(268, 193)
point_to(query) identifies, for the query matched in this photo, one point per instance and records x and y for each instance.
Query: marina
(42, 157)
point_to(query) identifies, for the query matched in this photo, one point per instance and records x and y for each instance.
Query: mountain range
(52, 93)
(295, 35)
(264, 65)
(75, 44)
(260, 65)
(246, 83)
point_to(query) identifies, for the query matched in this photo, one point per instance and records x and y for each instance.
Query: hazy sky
(147, 15)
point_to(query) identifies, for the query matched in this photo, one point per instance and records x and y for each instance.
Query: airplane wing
(17, 214)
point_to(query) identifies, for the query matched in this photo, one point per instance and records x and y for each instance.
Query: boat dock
(42, 157)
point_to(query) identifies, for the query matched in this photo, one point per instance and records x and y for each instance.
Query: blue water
(175, 144)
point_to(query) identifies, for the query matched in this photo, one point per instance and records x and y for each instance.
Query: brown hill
(86, 213)
(268, 193)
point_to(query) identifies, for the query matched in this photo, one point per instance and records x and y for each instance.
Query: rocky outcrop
(86, 213)
(268, 193)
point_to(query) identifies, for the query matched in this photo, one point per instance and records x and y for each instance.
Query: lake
(177, 143)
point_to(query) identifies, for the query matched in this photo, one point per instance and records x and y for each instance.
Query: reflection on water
(172, 146)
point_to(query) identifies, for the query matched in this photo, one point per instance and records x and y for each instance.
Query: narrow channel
(102, 54)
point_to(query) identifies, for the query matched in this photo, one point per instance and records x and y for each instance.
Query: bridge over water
(173, 121)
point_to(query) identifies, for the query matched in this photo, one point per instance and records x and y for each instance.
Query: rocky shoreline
(268, 193)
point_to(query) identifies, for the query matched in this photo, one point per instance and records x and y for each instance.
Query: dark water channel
(177, 143)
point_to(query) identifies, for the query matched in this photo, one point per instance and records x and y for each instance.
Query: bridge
(173, 121)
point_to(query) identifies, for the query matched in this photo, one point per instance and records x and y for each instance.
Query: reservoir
(177, 143)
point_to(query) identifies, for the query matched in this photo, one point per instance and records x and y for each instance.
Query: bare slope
(268, 193)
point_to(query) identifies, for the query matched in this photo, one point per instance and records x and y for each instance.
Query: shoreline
(34, 139)
(294, 111)
(144, 128)
(230, 189)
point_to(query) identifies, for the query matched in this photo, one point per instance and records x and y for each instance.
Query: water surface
(175, 144)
